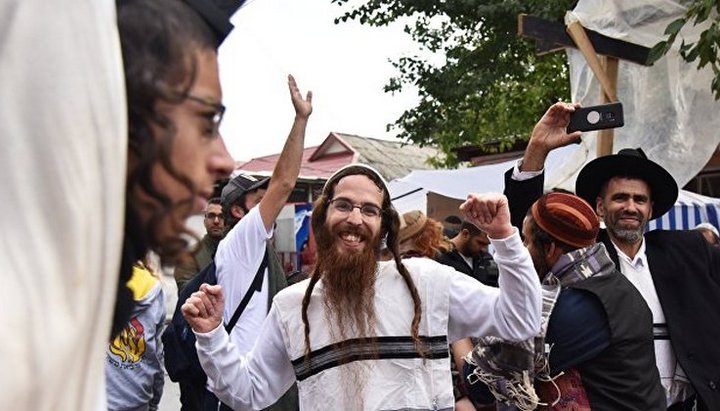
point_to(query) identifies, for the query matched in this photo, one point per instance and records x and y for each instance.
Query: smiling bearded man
(348, 276)
(368, 334)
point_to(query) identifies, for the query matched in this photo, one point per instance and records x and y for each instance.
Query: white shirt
(519, 175)
(512, 311)
(677, 386)
(237, 259)
(63, 155)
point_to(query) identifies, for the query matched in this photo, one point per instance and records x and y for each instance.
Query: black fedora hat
(628, 162)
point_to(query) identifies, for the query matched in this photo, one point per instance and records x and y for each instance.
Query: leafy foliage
(492, 86)
(706, 49)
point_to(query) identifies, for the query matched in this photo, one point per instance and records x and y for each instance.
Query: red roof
(318, 162)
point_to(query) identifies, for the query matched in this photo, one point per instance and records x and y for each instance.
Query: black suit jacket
(482, 269)
(686, 272)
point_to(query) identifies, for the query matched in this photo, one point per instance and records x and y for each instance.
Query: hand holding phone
(596, 117)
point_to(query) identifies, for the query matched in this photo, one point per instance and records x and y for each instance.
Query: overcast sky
(345, 65)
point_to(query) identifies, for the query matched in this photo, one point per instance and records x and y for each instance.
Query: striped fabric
(689, 210)
(359, 349)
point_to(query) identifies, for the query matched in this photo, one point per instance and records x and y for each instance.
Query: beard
(348, 278)
(465, 250)
(626, 234)
(540, 263)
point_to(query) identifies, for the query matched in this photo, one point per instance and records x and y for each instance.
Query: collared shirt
(468, 260)
(677, 386)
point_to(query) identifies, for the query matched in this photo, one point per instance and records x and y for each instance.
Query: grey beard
(628, 235)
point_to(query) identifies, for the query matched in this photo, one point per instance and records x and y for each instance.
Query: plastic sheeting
(669, 109)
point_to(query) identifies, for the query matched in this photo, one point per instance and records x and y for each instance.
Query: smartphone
(596, 117)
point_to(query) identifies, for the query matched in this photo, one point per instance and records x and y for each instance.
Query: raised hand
(489, 212)
(203, 310)
(303, 107)
(548, 134)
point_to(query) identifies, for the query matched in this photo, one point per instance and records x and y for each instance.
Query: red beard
(348, 278)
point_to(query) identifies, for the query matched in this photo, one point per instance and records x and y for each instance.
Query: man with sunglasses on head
(203, 255)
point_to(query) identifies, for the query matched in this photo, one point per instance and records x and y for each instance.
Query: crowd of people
(397, 312)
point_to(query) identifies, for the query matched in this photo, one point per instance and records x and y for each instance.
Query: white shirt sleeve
(511, 311)
(247, 382)
(238, 257)
(519, 175)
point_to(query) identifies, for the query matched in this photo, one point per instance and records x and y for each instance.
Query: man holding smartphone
(677, 272)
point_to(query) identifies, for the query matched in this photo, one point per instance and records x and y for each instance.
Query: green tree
(707, 47)
(492, 86)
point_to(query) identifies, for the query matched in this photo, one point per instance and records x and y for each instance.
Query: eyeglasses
(212, 216)
(219, 113)
(345, 206)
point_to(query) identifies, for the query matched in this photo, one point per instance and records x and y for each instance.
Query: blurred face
(476, 245)
(354, 230)
(197, 152)
(253, 198)
(214, 223)
(626, 208)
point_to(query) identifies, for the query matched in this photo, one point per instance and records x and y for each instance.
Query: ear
(599, 208)
(237, 211)
(552, 253)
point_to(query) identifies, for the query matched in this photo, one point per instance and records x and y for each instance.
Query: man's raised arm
(524, 182)
(287, 167)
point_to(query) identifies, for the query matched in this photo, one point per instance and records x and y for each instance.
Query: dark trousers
(191, 395)
(195, 397)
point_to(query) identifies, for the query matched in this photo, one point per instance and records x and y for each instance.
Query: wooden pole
(577, 33)
(605, 137)
(607, 74)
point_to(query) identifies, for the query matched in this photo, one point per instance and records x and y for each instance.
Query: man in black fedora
(677, 272)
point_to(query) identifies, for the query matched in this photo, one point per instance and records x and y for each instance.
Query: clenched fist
(489, 212)
(203, 310)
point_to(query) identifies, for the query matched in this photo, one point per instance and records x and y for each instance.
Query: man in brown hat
(677, 272)
(599, 327)
(363, 333)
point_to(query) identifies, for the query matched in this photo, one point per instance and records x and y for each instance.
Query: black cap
(240, 185)
(216, 13)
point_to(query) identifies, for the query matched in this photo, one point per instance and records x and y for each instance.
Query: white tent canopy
(410, 192)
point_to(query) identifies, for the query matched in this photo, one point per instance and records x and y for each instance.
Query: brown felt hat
(567, 218)
(412, 223)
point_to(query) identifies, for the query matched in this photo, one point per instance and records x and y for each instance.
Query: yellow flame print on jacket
(129, 345)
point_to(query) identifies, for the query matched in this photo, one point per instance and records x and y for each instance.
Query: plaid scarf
(510, 368)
